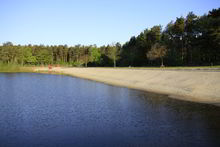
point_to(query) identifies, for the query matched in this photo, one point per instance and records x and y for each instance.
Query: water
(55, 110)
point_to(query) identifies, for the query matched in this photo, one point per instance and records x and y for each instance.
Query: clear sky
(101, 22)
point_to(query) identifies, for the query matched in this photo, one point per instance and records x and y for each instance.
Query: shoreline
(198, 86)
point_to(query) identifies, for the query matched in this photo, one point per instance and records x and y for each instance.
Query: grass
(183, 67)
(13, 68)
(217, 67)
(18, 68)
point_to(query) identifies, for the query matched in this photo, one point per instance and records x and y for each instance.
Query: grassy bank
(216, 67)
(14, 68)
(19, 68)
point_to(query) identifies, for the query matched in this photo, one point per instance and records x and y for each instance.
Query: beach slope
(198, 86)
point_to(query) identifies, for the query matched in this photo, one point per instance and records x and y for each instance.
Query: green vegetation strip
(14, 68)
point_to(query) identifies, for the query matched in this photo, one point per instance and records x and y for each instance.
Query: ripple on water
(55, 110)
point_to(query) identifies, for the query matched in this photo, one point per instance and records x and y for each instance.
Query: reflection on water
(54, 110)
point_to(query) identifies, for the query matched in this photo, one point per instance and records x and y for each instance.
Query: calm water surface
(55, 110)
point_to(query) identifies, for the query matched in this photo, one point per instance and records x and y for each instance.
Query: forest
(190, 41)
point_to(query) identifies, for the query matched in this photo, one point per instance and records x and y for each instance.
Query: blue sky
(101, 22)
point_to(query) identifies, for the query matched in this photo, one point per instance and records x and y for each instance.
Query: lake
(56, 110)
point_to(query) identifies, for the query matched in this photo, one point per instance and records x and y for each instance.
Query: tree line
(190, 41)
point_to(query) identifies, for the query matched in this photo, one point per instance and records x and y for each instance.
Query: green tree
(95, 55)
(44, 57)
(8, 52)
(190, 35)
(25, 55)
(179, 34)
(28, 58)
(114, 52)
(85, 55)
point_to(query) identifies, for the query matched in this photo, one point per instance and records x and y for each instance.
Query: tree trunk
(114, 62)
(162, 62)
(182, 51)
(86, 61)
(52, 57)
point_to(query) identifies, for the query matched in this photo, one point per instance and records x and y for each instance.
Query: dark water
(54, 110)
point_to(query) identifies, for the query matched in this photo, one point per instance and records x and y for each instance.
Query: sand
(197, 86)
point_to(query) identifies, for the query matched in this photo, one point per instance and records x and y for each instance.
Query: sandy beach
(198, 86)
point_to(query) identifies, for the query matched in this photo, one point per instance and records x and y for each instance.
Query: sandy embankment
(198, 86)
